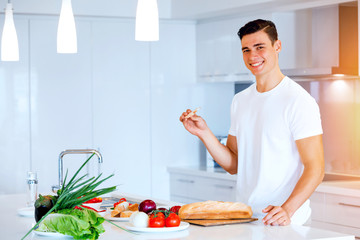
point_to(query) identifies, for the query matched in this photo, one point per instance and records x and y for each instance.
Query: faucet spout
(73, 151)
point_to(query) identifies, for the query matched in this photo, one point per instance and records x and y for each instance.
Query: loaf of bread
(117, 210)
(126, 214)
(215, 210)
(134, 207)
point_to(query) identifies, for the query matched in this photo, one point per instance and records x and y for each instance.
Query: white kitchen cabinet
(201, 185)
(335, 211)
(295, 33)
(61, 111)
(303, 34)
(219, 55)
(14, 116)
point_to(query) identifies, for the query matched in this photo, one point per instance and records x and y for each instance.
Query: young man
(275, 138)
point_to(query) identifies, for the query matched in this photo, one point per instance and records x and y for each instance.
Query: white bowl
(95, 206)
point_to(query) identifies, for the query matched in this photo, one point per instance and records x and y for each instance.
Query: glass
(32, 183)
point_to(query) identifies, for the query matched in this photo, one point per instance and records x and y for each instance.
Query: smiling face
(260, 56)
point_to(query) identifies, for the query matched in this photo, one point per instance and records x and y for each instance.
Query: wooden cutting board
(217, 222)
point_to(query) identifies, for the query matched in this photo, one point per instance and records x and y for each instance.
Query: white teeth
(256, 64)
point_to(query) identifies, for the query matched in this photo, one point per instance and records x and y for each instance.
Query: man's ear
(277, 46)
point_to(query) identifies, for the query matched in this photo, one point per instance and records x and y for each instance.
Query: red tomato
(173, 220)
(94, 200)
(175, 209)
(157, 220)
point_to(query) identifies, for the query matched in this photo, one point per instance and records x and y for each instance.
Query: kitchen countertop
(345, 188)
(200, 171)
(341, 187)
(13, 226)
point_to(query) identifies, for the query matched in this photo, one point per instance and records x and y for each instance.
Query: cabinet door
(219, 54)
(219, 49)
(14, 116)
(121, 99)
(342, 210)
(61, 109)
(181, 185)
(214, 189)
(294, 32)
(317, 204)
(201, 188)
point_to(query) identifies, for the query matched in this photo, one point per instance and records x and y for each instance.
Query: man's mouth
(256, 64)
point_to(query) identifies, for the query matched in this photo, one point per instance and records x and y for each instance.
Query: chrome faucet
(73, 151)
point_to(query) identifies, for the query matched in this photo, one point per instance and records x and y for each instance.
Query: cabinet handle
(349, 205)
(214, 75)
(223, 186)
(185, 181)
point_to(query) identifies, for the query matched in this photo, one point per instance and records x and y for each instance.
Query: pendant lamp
(66, 34)
(147, 21)
(9, 40)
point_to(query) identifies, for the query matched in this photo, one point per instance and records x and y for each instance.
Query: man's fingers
(283, 221)
(182, 117)
(184, 114)
(276, 216)
(275, 220)
(272, 215)
(268, 208)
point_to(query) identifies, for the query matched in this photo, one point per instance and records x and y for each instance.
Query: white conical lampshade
(9, 40)
(147, 21)
(66, 35)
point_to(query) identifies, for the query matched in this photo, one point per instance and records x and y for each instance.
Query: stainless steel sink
(73, 151)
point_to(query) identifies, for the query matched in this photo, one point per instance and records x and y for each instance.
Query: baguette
(215, 210)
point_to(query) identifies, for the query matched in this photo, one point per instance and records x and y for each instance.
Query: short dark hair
(258, 25)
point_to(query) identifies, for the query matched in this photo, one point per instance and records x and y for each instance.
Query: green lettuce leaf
(81, 224)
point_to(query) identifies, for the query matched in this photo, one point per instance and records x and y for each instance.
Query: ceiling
(168, 9)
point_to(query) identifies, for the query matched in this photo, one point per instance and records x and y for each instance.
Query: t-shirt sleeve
(232, 130)
(305, 120)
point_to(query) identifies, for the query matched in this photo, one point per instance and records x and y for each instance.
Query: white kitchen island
(13, 226)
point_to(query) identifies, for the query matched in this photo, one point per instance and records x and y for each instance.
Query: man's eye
(260, 47)
(246, 50)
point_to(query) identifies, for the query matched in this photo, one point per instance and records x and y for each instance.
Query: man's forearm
(311, 153)
(223, 155)
(306, 185)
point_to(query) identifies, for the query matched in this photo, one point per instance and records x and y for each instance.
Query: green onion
(76, 192)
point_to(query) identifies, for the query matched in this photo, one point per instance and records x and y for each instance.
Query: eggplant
(43, 204)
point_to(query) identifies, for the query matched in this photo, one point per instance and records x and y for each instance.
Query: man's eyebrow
(255, 45)
(259, 44)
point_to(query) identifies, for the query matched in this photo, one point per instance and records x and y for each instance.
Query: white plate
(52, 234)
(116, 219)
(93, 205)
(26, 212)
(183, 225)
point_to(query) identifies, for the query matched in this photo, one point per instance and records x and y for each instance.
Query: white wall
(15, 116)
(117, 95)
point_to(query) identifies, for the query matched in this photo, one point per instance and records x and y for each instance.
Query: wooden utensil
(192, 113)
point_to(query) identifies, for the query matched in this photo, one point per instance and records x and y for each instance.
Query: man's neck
(268, 81)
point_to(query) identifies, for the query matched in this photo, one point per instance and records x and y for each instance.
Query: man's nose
(253, 54)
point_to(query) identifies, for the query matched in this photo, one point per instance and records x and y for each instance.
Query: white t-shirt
(266, 126)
